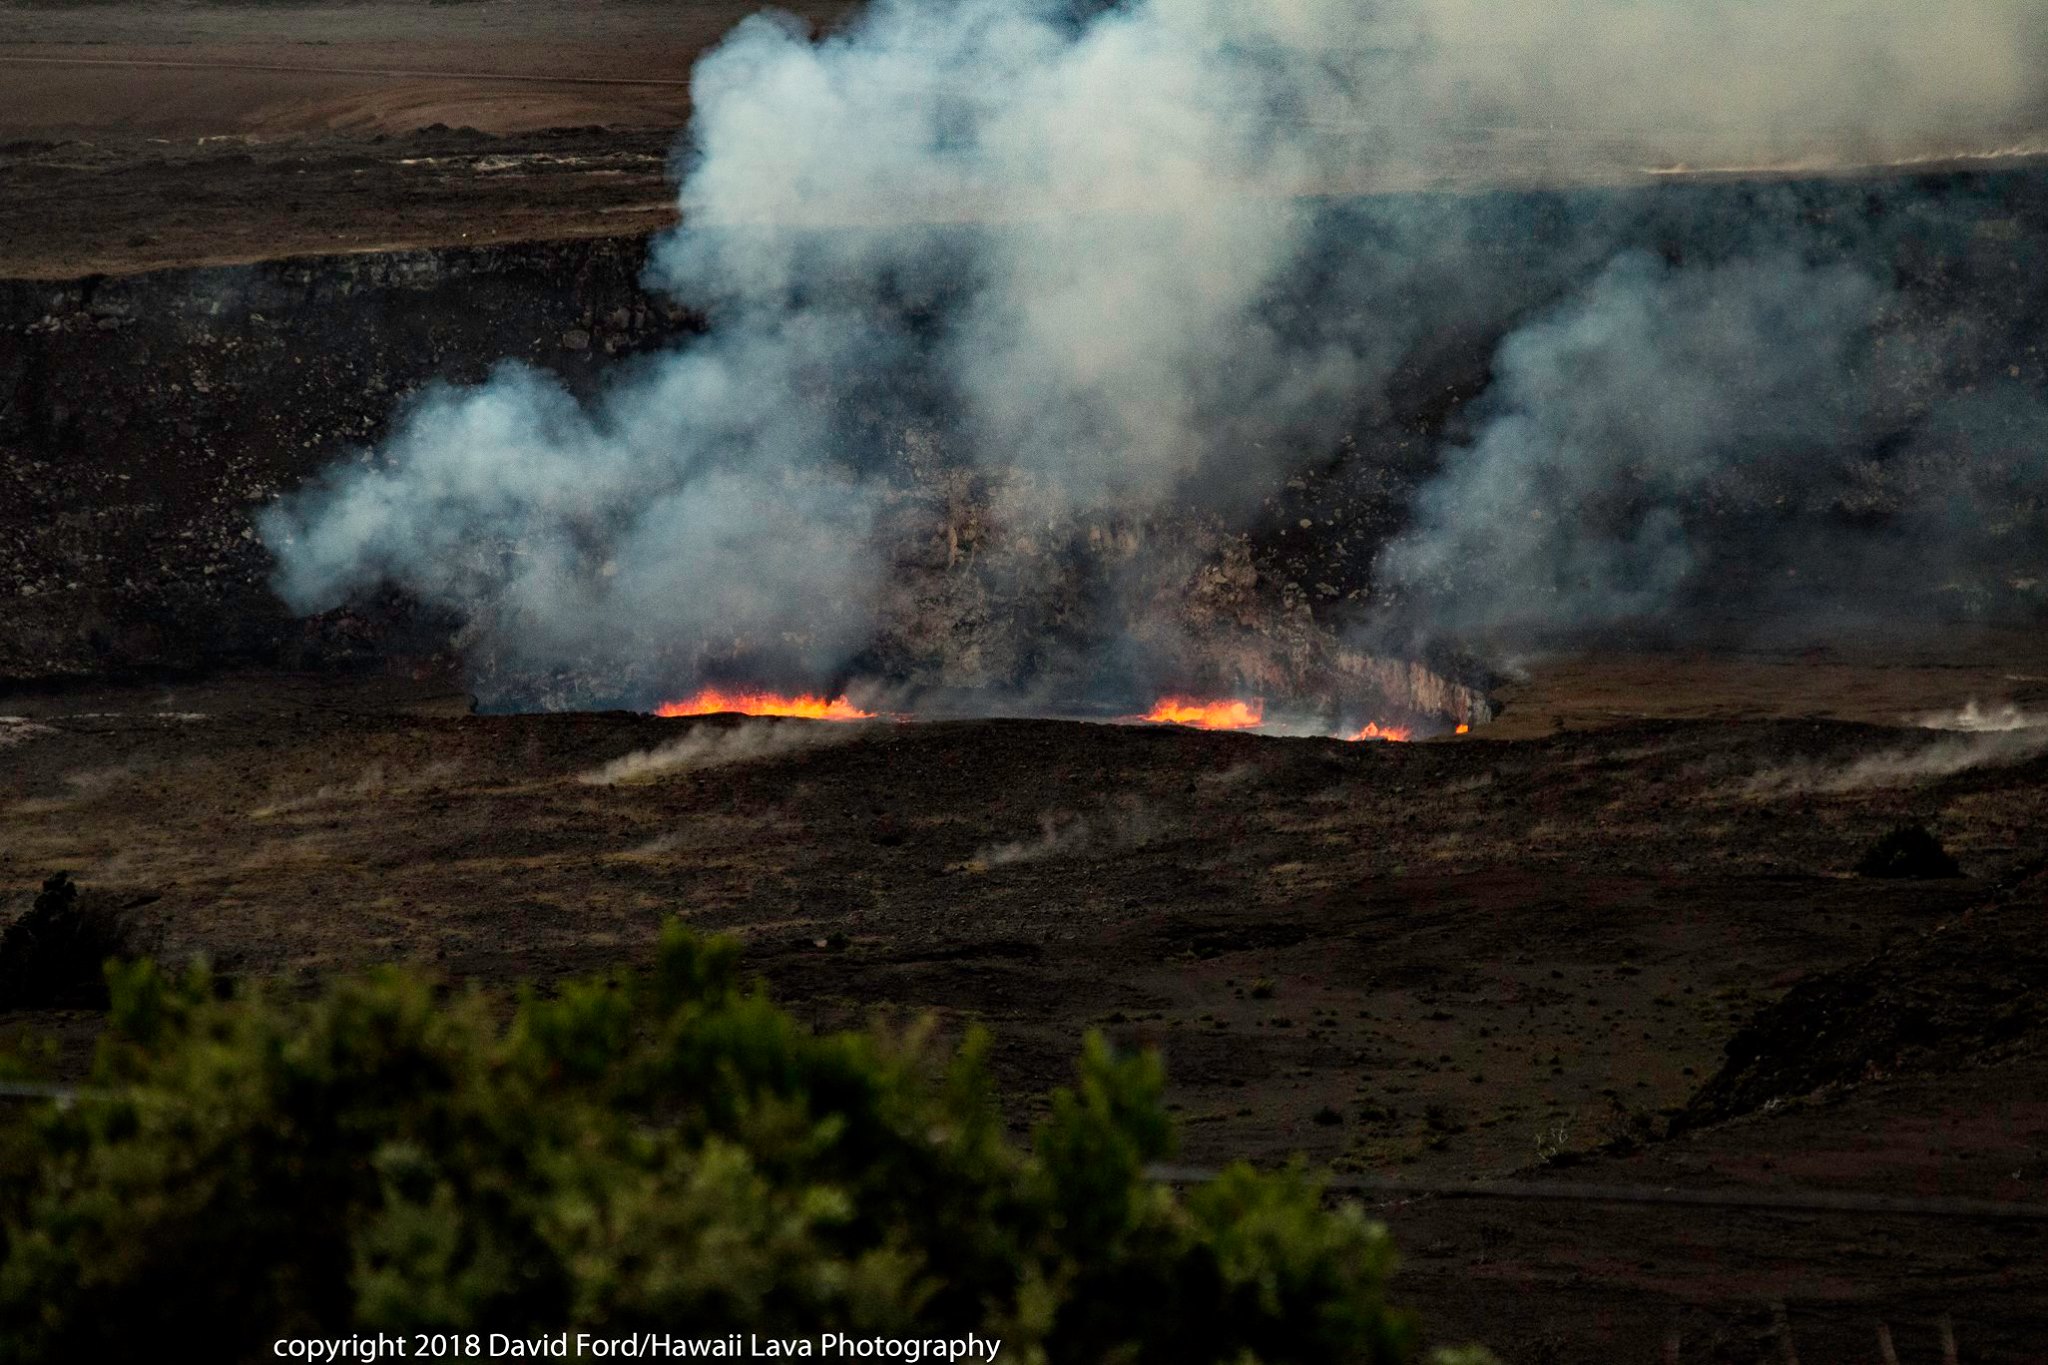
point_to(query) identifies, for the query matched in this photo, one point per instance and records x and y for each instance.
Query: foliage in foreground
(670, 1152)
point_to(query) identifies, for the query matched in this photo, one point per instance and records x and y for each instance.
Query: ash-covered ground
(1519, 954)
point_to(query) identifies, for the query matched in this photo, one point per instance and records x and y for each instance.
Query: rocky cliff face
(143, 420)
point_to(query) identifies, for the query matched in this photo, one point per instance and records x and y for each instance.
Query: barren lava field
(1519, 953)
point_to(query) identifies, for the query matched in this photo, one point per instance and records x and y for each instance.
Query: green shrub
(669, 1152)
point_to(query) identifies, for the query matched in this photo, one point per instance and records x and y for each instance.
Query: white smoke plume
(1105, 253)
(1127, 823)
(716, 746)
(1614, 415)
(373, 782)
(1976, 718)
(1904, 766)
(1703, 437)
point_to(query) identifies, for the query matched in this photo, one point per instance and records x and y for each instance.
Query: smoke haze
(1127, 262)
(713, 746)
(1976, 718)
(1903, 767)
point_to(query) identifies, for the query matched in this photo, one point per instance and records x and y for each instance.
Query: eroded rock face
(1068, 615)
(1122, 610)
(144, 419)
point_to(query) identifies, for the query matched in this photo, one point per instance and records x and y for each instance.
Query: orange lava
(1392, 734)
(711, 701)
(1208, 715)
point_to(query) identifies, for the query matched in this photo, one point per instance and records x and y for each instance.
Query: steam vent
(958, 608)
(1093, 682)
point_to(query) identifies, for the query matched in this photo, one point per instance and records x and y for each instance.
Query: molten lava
(1208, 715)
(711, 701)
(1392, 734)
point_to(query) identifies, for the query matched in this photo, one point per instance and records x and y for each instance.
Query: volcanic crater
(1601, 926)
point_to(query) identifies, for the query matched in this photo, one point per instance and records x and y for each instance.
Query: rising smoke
(1904, 766)
(1978, 719)
(1158, 255)
(1768, 435)
(714, 747)
(1116, 825)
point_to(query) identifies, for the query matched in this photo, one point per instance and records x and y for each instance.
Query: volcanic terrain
(1516, 954)
(1610, 950)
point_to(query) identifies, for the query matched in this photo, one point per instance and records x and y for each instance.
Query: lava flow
(711, 701)
(1393, 734)
(1207, 715)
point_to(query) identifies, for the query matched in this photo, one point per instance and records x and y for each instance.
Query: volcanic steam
(1023, 319)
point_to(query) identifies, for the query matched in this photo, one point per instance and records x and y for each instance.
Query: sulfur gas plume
(1772, 435)
(1082, 287)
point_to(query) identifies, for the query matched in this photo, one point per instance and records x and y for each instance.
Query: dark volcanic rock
(1908, 851)
(144, 420)
(52, 956)
(1970, 992)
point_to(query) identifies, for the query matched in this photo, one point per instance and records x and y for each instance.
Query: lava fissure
(1240, 715)
(1229, 714)
(711, 701)
(1250, 715)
